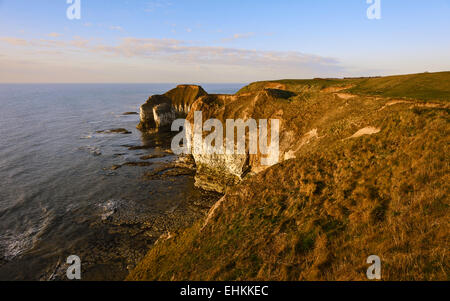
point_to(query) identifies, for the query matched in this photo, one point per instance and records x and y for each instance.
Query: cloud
(14, 41)
(54, 35)
(118, 28)
(184, 52)
(238, 36)
(181, 52)
(222, 63)
(79, 42)
(154, 5)
(35, 44)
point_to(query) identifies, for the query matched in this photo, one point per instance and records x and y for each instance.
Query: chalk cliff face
(163, 115)
(218, 172)
(161, 110)
(156, 113)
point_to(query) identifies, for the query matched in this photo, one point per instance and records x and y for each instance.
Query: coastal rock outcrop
(155, 113)
(164, 115)
(161, 110)
(183, 96)
(217, 172)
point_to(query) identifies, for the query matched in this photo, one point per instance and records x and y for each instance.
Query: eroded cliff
(160, 111)
(364, 173)
(184, 96)
(304, 108)
(220, 171)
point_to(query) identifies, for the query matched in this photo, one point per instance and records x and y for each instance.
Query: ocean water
(59, 195)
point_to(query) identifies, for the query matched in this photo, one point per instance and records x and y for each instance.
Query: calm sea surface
(59, 195)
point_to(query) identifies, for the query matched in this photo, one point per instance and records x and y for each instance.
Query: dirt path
(345, 96)
(365, 131)
(414, 104)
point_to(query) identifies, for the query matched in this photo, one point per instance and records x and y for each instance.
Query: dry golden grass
(319, 216)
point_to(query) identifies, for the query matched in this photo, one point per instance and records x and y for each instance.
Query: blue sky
(193, 41)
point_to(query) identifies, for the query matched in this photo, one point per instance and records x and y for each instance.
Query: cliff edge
(364, 171)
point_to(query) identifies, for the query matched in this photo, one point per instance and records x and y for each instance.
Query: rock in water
(161, 110)
(115, 131)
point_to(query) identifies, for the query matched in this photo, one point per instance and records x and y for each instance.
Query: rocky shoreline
(120, 232)
(124, 222)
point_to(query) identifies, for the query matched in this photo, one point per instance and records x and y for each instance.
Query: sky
(219, 41)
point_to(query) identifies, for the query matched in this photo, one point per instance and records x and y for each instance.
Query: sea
(71, 186)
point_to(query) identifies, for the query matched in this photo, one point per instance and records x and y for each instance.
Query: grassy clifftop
(423, 86)
(371, 178)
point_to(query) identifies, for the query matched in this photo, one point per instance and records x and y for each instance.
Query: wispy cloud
(154, 5)
(54, 35)
(14, 41)
(182, 51)
(238, 36)
(182, 55)
(118, 28)
(35, 44)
